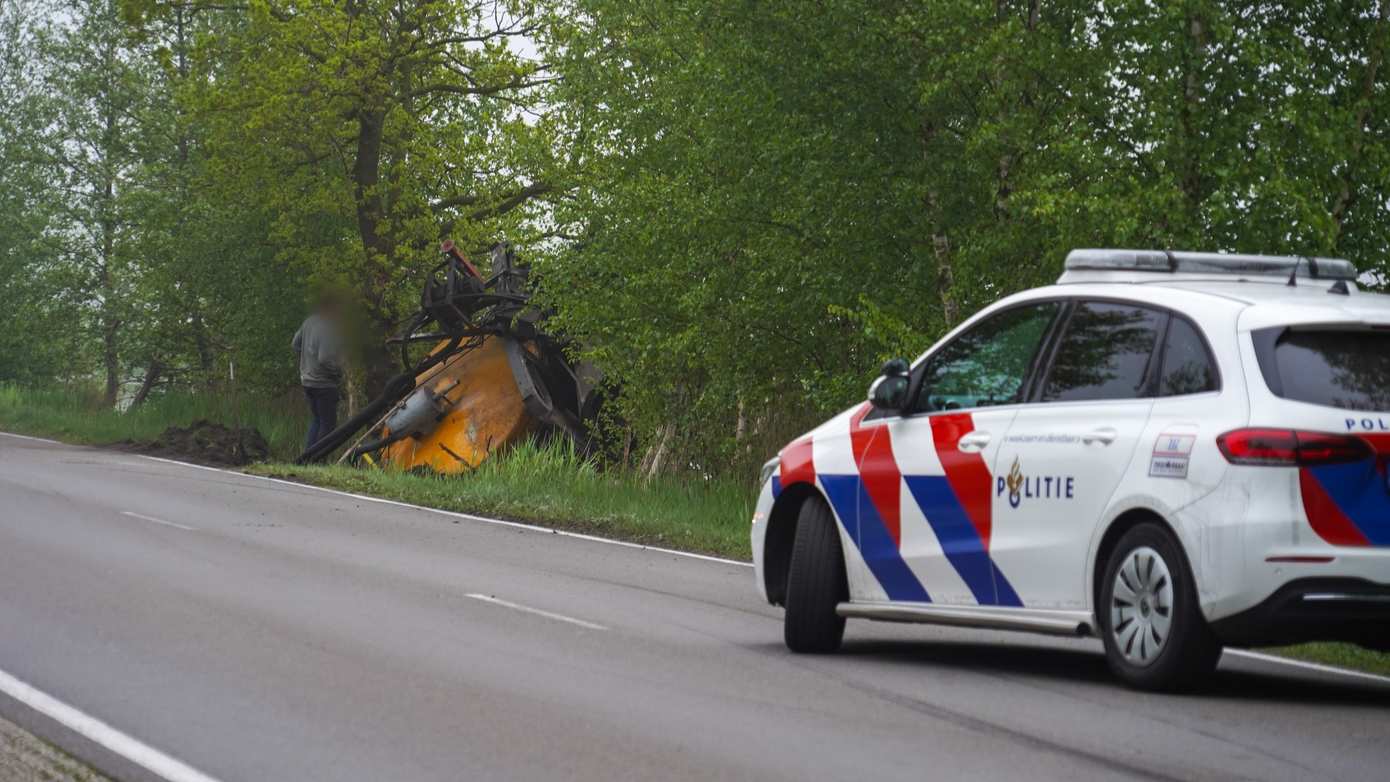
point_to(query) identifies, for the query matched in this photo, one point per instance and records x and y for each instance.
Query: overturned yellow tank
(493, 377)
(492, 394)
(482, 411)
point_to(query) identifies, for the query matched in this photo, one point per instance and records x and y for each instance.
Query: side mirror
(889, 391)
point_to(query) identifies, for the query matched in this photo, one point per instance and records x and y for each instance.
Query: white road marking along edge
(35, 439)
(535, 528)
(538, 612)
(98, 732)
(153, 520)
(455, 514)
(1266, 658)
(1304, 664)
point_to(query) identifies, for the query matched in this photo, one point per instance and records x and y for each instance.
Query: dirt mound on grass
(206, 442)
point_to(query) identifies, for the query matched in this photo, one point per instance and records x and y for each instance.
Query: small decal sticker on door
(1171, 455)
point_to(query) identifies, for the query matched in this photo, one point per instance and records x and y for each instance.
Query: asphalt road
(257, 630)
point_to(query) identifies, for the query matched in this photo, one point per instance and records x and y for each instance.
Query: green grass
(76, 416)
(552, 485)
(1340, 655)
(545, 484)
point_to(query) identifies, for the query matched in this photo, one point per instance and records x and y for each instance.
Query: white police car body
(1173, 451)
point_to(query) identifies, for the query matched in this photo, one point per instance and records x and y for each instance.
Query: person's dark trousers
(323, 413)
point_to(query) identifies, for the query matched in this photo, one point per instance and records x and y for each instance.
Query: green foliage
(777, 197)
(361, 134)
(26, 211)
(738, 210)
(739, 191)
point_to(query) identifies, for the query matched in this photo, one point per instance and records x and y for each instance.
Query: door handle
(1104, 436)
(974, 442)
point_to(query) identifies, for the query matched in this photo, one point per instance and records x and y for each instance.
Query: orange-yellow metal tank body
(487, 412)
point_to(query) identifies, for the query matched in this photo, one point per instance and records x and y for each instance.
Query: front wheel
(1155, 635)
(815, 583)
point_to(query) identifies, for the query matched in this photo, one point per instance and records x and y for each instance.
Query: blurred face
(329, 305)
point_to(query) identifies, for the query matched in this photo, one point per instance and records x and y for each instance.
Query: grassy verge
(76, 416)
(552, 485)
(1340, 655)
(545, 485)
(549, 485)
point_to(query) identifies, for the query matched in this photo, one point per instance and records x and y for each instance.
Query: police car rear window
(1343, 368)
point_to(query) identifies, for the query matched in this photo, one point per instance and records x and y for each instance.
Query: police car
(1171, 451)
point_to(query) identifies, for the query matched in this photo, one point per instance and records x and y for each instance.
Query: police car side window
(1187, 366)
(988, 364)
(1105, 353)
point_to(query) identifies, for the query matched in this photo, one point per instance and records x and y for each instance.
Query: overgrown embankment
(552, 485)
(77, 416)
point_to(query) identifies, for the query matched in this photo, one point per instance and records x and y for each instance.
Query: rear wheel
(815, 583)
(1155, 635)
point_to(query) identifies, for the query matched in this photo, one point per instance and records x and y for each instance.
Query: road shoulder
(25, 757)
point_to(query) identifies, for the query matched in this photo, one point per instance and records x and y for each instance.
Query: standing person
(319, 345)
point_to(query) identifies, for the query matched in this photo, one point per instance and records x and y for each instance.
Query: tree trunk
(203, 345)
(152, 375)
(110, 361)
(656, 457)
(106, 217)
(366, 178)
(941, 253)
(1346, 185)
(945, 279)
(379, 362)
(110, 325)
(1190, 170)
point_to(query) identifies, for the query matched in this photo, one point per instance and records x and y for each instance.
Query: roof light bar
(1165, 262)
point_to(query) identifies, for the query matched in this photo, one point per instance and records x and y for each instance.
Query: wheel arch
(781, 534)
(1116, 530)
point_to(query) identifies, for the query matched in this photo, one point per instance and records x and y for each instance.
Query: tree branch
(480, 89)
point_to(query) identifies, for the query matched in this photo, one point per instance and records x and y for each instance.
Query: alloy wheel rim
(1141, 607)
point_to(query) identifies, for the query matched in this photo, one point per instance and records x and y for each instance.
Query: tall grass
(552, 484)
(76, 415)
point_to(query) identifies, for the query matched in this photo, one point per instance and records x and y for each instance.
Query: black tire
(1190, 651)
(815, 583)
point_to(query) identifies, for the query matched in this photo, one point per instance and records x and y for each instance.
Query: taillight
(1291, 448)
